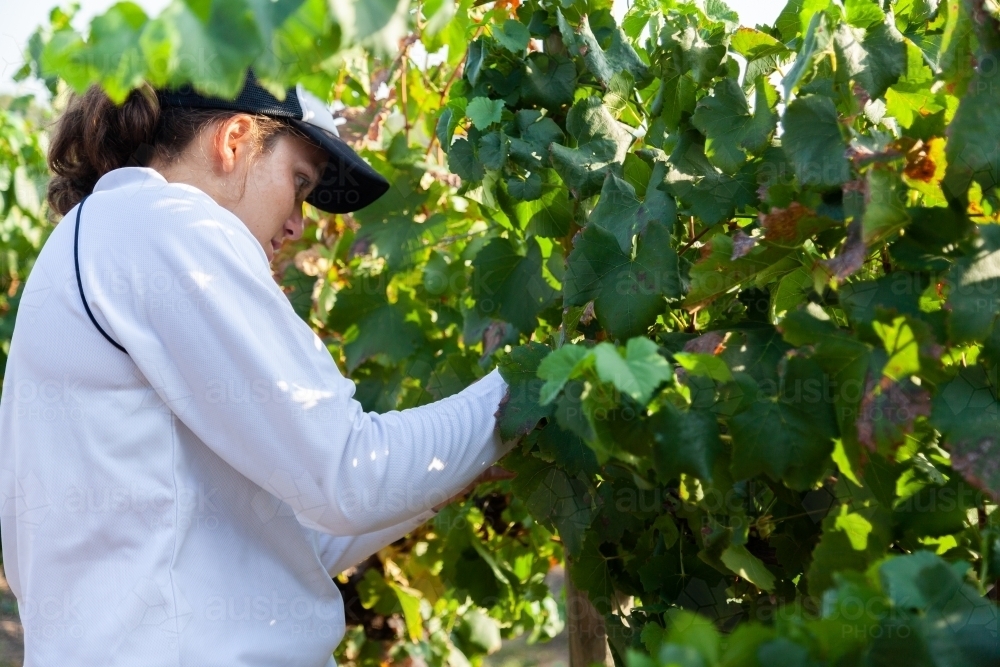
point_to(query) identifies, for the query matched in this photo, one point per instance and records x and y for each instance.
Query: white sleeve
(194, 304)
(338, 553)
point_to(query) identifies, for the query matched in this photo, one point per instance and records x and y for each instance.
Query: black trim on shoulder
(79, 280)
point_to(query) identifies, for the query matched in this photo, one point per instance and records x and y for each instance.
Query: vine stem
(451, 80)
(402, 101)
(389, 82)
(457, 237)
(687, 246)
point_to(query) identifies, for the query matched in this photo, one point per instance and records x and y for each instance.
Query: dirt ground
(517, 652)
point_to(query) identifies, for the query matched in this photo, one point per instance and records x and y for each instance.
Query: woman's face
(277, 183)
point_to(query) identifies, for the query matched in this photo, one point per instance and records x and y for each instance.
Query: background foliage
(744, 283)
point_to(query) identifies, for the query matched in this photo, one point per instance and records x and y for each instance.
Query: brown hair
(95, 136)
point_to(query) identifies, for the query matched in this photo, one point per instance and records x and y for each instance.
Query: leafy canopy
(742, 282)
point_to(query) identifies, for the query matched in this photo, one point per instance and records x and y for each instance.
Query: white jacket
(186, 503)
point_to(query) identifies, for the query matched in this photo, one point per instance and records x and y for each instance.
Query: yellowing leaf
(902, 346)
(748, 566)
(409, 600)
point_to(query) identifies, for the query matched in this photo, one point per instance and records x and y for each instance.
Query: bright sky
(21, 17)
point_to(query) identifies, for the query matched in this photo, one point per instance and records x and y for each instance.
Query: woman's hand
(491, 474)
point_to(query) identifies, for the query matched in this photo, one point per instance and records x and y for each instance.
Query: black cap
(348, 183)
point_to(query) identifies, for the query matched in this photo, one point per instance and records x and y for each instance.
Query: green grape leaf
(690, 630)
(483, 111)
(493, 149)
(748, 566)
(813, 142)
(753, 44)
(200, 8)
(846, 360)
(885, 212)
(637, 173)
(725, 119)
(902, 346)
(921, 581)
(973, 136)
(602, 143)
(474, 59)
(116, 37)
(510, 286)
(521, 411)
(453, 374)
(409, 600)
(564, 502)
(886, 60)
(550, 214)
(366, 20)
(382, 328)
(477, 634)
(512, 35)
(967, 413)
(863, 14)
(675, 98)
(531, 148)
(559, 367)
(946, 619)
(300, 291)
(527, 189)
(628, 293)
(897, 293)
(816, 46)
(698, 55)
(638, 374)
(914, 521)
(603, 64)
(906, 102)
(620, 212)
(591, 573)
(232, 35)
(853, 538)
(447, 123)
(974, 288)
(554, 497)
(463, 161)
(685, 441)
(718, 272)
(704, 365)
(793, 289)
(708, 193)
(474, 575)
(399, 239)
(781, 440)
(873, 58)
(662, 575)
(557, 445)
(549, 80)
(375, 593)
(756, 351)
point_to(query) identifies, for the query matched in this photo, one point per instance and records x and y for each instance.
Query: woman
(182, 465)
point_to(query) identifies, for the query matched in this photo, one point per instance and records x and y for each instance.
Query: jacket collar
(125, 176)
(142, 177)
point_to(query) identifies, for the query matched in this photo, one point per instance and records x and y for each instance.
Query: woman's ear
(233, 141)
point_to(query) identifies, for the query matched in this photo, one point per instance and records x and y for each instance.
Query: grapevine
(744, 283)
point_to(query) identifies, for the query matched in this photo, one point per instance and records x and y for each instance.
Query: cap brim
(348, 183)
